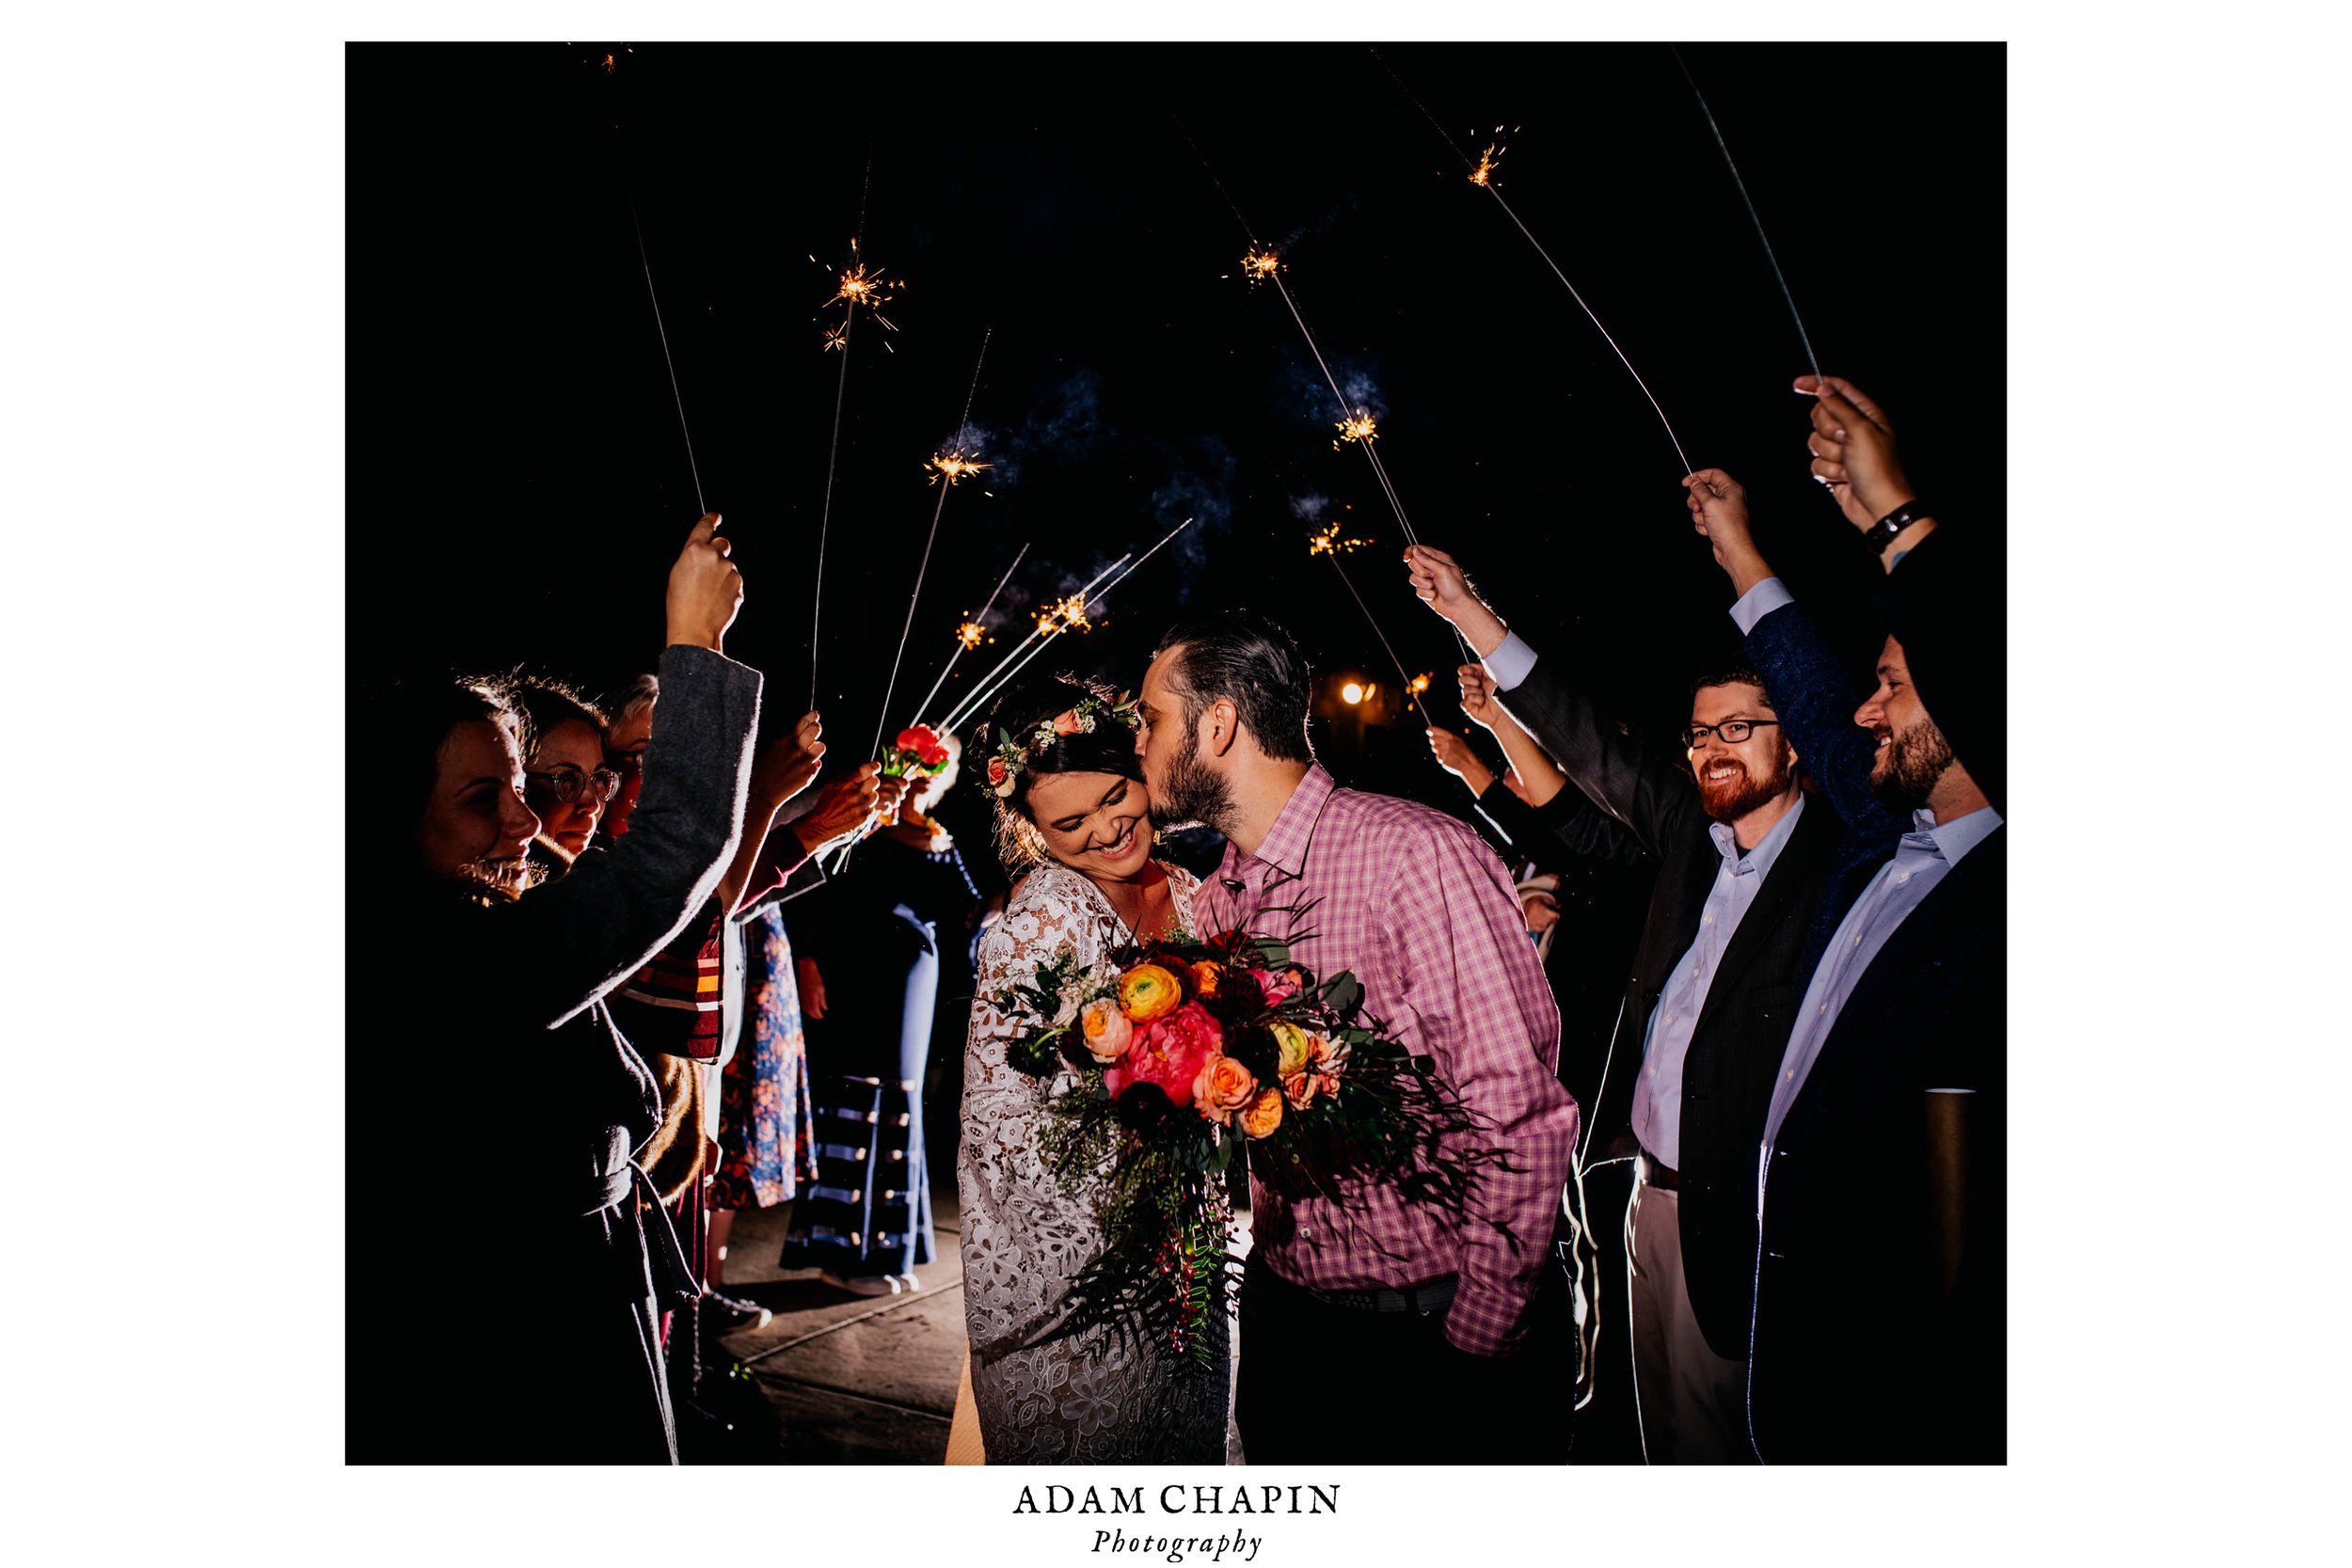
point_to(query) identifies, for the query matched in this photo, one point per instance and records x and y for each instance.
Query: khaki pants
(1692, 1402)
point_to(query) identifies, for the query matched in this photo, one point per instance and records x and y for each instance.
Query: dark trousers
(1328, 1384)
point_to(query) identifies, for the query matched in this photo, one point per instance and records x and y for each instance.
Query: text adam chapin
(1178, 1497)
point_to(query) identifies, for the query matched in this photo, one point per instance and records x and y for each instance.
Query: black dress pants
(1331, 1385)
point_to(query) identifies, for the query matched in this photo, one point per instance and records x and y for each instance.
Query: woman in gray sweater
(464, 969)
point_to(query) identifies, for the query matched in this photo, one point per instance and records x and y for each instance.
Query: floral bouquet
(1184, 1047)
(916, 750)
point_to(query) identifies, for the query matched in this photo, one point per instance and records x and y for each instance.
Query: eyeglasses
(568, 785)
(1732, 730)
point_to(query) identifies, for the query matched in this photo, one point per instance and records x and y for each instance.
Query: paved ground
(847, 1379)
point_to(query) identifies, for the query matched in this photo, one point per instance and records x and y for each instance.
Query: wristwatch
(1882, 533)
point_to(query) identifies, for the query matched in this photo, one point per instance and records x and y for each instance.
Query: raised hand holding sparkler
(1439, 583)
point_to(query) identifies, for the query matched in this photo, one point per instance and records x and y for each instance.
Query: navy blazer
(1858, 1351)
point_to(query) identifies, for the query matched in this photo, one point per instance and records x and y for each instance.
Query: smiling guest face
(1095, 823)
(476, 816)
(1735, 780)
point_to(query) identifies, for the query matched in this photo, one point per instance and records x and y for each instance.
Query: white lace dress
(1083, 1399)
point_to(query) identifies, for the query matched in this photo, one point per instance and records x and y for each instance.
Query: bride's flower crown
(1011, 756)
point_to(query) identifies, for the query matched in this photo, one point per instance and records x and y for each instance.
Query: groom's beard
(1192, 793)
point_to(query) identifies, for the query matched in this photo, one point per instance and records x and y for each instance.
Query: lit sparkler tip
(970, 634)
(953, 465)
(1419, 683)
(1330, 542)
(1256, 265)
(1063, 615)
(1358, 427)
(1484, 173)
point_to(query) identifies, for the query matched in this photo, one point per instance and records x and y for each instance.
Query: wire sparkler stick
(1073, 610)
(692, 468)
(947, 469)
(963, 709)
(860, 285)
(1482, 175)
(1749, 202)
(968, 635)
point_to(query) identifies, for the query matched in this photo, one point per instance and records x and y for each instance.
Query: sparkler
(1071, 615)
(1260, 265)
(1482, 175)
(671, 365)
(1749, 202)
(859, 285)
(1330, 543)
(985, 688)
(951, 465)
(969, 635)
(1485, 172)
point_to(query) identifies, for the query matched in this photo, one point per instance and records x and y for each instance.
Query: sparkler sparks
(1418, 683)
(1257, 264)
(952, 465)
(859, 284)
(971, 634)
(1484, 173)
(1356, 427)
(1330, 543)
(1063, 615)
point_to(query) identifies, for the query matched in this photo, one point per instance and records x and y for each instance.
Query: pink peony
(1171, 1052)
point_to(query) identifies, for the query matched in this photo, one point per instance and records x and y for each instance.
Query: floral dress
(767, 1121)
(1085, 1399)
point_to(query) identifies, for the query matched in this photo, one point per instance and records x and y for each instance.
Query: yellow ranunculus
(1298, 1046)
(1146, 991)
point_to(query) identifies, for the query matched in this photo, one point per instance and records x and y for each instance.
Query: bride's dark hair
(1108, 748)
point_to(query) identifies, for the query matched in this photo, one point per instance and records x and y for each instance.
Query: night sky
(519, 485)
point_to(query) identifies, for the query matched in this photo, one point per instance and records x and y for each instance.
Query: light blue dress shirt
(1510, 663)
(1658, 1094)
(1923, 858)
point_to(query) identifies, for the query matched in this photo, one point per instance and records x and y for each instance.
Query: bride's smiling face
(1094, 822)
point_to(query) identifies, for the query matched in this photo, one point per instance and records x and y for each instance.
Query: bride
(1072, 824)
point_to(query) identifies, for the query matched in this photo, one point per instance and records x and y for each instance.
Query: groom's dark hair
(1251, 661)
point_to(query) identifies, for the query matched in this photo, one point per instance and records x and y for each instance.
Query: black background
(519, 485)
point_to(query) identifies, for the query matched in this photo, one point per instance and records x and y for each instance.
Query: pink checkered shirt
(1415, 904)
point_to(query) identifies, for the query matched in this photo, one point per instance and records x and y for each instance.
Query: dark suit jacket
(1858, 1353)
(1736, 1048)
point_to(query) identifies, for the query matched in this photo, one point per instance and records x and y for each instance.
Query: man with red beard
(1742, 862)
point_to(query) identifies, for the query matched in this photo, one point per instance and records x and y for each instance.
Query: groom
(1376, 1330)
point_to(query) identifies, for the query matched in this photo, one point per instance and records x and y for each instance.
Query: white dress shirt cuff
(1511, 663)
(1759, 602)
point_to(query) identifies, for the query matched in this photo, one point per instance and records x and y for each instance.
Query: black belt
(1656, 1175)
(1433, 1297)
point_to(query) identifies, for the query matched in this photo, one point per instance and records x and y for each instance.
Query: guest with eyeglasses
(1742, 864)
(566, 781)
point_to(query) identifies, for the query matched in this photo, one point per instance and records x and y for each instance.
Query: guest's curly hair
(1108, 748)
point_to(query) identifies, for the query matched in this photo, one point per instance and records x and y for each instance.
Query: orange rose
(1223, 1088)
(1147, 991)
(1263, 1116)
(1206, 975)
(1300, 1089)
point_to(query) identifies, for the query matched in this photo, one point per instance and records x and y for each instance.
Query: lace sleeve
(1023, 1236)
